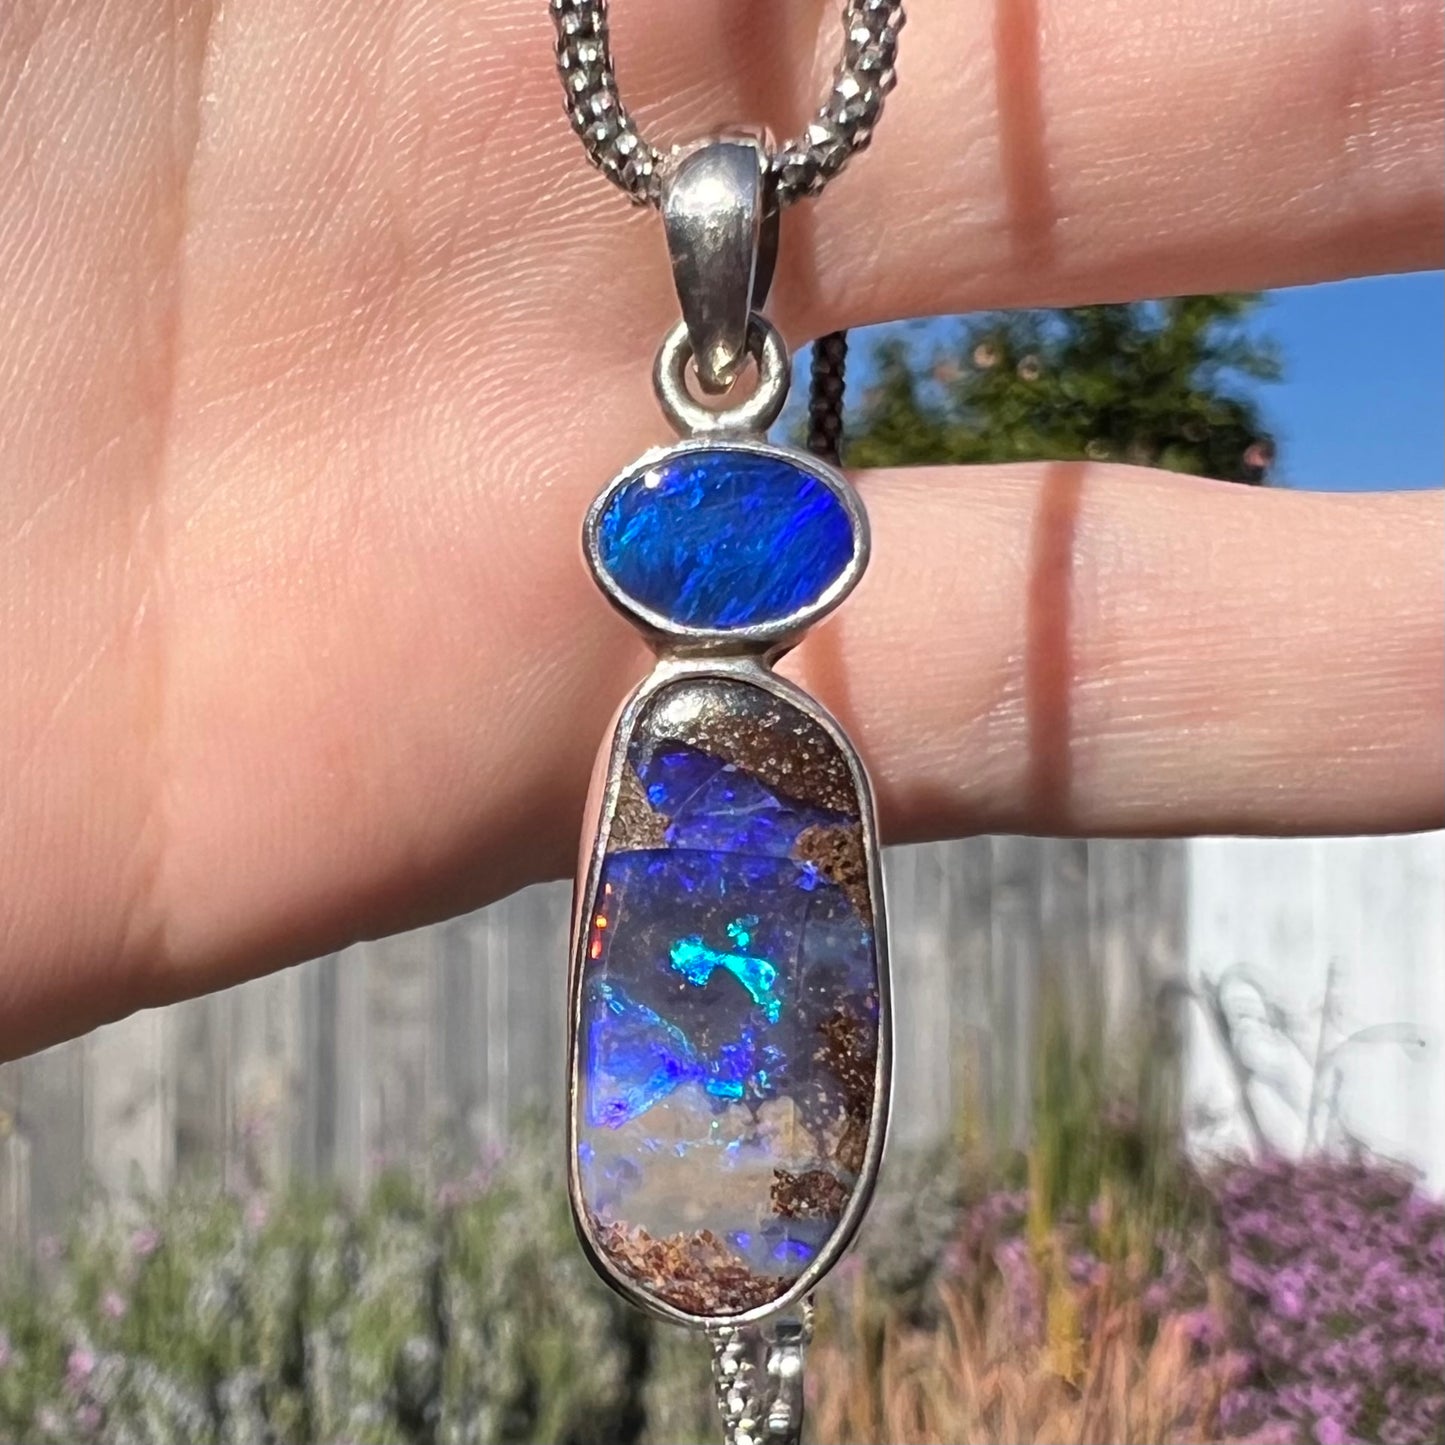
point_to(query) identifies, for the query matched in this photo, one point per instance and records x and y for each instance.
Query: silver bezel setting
(769, 639)
(598, 822)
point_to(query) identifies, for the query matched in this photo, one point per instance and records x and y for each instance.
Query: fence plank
(51, 1119)
(200, 1088)
(496, 1034)
(396, 1110)
(923, 978)
(1066, 964)
(326, 1141)
(128, 1096)
(531, 944)
(14, 1172)
(1016, 956)
(978, 1057)
(265, 1066)
(454, 1036)
(459, 1066)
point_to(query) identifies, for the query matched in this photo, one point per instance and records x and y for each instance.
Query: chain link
(757, 1373)
(825, 396)
(843, 125)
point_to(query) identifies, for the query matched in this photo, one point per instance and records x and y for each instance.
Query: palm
(321, 336)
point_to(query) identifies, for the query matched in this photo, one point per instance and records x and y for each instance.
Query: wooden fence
(433, 1047)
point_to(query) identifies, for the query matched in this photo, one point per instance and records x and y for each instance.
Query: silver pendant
(730, 1028)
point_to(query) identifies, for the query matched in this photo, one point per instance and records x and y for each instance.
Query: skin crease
(320, 334)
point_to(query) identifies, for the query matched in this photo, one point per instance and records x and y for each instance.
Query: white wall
(1287, 913)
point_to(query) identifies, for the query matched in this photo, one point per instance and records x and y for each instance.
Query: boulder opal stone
(724, 538)
(729, 1001)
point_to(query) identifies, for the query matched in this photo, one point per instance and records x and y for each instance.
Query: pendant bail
(721, 220)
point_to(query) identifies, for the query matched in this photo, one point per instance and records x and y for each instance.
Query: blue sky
(1362, 403)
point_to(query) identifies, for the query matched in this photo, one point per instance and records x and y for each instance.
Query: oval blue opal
(724, 538)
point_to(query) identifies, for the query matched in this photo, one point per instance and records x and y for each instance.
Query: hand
(320, 335)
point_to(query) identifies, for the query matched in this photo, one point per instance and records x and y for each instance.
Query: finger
(1035, 649)
(1057, 151)
(421, 173)
(1058, 648)
(1068, 648)
(366, 530)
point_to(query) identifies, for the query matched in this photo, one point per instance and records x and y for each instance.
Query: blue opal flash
(695, 961)
(723, 538)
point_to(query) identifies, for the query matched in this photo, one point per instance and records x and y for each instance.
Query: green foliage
(469, 1317)
(466, 1318)
(463, 1317)
(1104, 1123)
(1161, 383)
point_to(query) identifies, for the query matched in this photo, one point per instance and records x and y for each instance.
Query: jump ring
(755, 413)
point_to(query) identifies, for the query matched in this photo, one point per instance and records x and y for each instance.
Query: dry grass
(969, 1377)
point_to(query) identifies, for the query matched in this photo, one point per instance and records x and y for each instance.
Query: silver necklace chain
(825, 396)
(758, 1378)
(757, 1369)
(843, 125)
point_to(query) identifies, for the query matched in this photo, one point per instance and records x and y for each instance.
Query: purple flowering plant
(1259, 1301)
(1336, 1269)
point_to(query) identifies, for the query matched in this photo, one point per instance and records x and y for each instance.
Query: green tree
(1157, 383)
